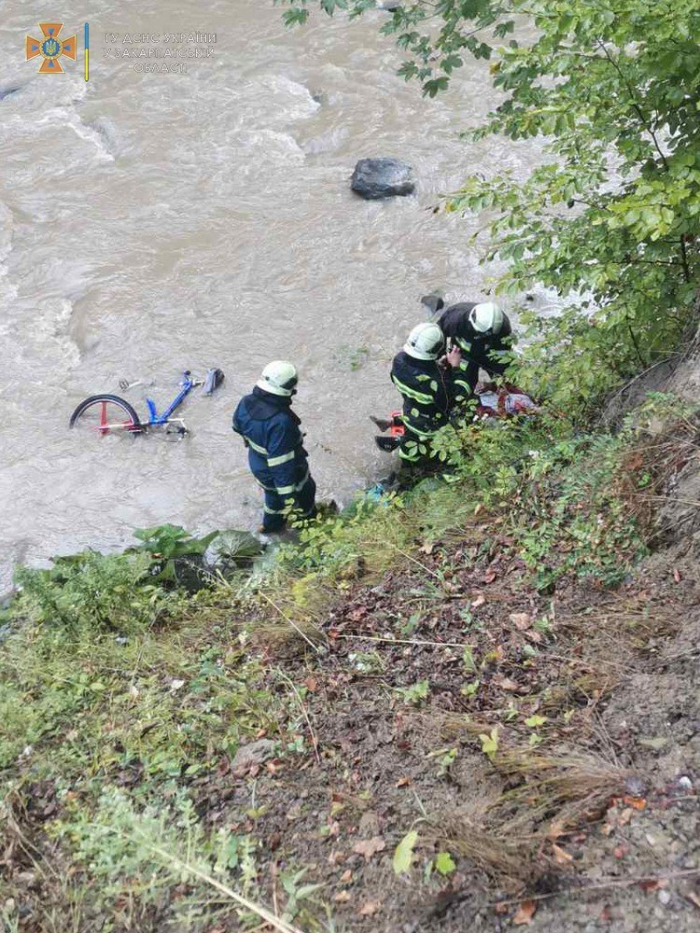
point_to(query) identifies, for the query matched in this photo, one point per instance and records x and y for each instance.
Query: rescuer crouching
(484, 335)
(429, 390)
(276, 455)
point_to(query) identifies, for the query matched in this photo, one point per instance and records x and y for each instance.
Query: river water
(152, 222)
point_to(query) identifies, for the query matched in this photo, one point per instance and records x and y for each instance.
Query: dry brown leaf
(620, 851)
(521, 620)
(311, 684)
(346, 877)
(370, 908)
(626, 815)
(479, 601)
(677, 575)
(560, 856)
(427, 548)
(524, 913)
(505, 683)
(650, 884)
(556, 829)
(607, 828)
(403, 782)
(490, 576)
(342, 897)
(369, 847)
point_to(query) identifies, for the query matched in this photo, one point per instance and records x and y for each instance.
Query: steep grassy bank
(408, 721)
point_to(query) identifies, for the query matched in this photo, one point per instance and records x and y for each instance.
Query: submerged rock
(8, 91)
(433, 302)
(374, 179)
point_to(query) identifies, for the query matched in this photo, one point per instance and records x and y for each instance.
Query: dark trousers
(275, 505)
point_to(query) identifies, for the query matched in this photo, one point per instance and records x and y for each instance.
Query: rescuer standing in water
(276, 455)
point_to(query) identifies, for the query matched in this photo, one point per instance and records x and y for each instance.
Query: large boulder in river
(374, 179)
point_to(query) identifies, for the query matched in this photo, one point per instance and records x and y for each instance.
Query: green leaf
(444, 863)
(403, 854)
(489, 743)
(534, 721)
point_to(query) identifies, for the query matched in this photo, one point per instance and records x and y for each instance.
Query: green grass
(120, 693)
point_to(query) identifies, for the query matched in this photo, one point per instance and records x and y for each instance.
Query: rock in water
(389, 6)
(374, 179)
(433, 302)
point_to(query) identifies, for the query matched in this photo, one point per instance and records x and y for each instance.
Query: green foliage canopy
(610, 217)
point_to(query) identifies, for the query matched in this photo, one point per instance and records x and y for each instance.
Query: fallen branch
(314, 739)
(410, 641)
(601, 886)
(261, 912)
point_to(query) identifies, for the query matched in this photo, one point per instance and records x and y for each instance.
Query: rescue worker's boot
(387, 444)
(382, 423)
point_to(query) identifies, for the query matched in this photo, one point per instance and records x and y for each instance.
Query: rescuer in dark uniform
(483, 333)
(276, 456)
(428, 389)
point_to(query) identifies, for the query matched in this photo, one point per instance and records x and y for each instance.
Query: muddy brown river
(153, 221)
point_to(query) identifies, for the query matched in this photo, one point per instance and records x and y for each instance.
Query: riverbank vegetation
(433, 710)
(412, 691)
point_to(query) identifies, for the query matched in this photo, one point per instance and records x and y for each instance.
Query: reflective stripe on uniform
(464, 385)
(421, 397)
(268, 511)
(263, 486)
(288, 490)
(256, 447)
(283, 458)
(302, 482)
(414, 430)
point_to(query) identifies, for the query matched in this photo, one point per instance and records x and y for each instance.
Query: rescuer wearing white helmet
(484, 335)
(427, 388)
(279, 378)
(276, 455)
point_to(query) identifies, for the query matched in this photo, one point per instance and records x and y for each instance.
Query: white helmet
(279, 378)
(425, 342)
(486, 318)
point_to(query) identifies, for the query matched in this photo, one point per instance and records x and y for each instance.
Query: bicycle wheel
(105, 414)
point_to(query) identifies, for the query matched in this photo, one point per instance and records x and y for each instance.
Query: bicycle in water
(111, 414)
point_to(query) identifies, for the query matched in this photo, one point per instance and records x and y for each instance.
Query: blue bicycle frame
(154, 418)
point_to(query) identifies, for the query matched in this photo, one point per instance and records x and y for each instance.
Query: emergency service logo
(51, 48)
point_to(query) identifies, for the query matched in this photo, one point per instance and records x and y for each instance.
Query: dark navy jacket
(428, 393)
(271, 432)
(485, 351)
